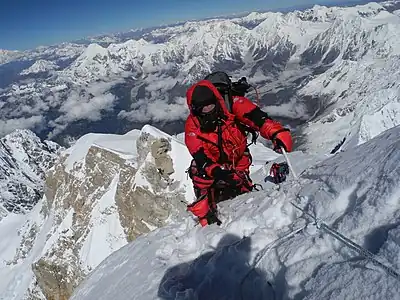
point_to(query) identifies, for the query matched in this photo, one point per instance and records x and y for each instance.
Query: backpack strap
(247, 129)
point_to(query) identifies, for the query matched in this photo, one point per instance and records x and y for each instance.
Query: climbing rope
(259, 256)
(349, 243)
(320, 225)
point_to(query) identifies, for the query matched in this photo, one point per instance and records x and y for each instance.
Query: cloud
(86, 103)
(161, 84)
(58, 128)
(157, 111)
(37, 106)
(293, 109)
(7, 126)
(77, 107)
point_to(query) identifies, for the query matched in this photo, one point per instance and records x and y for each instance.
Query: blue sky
(26, 24)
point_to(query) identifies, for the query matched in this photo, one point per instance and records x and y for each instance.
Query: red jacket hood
(208, 84)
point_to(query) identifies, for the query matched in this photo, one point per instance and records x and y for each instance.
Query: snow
(63, 229)
(17, 277)
(40, 66)
(356, 191)
(7, 56)
(254, 254)
(9, 236)
(363, 101)
(123, 145)
(106, 234)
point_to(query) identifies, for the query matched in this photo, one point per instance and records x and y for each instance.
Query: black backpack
(223, 83)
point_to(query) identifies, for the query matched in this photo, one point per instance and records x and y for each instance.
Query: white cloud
(102, 87)
(293, 109)
(157, 111)
(36, 107)
(81, 104)
(58, 128)
(10, 125)
(161, 84)
(78, 108)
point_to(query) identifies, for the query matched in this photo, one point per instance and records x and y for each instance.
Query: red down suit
(231, 138)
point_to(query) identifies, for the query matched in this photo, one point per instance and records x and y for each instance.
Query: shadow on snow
(224, 273)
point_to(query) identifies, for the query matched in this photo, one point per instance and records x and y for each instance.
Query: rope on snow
(349, 243)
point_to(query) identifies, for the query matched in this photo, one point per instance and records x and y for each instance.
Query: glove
(282, 139)
(212, 218)
(202, 210)
(224, 175)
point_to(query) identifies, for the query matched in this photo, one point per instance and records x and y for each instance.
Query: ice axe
(289, 163)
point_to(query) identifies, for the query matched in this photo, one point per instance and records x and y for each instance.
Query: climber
(216, 136)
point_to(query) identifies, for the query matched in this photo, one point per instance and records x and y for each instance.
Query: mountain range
(64, 91)
(93, 188)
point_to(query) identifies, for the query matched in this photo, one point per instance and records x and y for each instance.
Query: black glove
(224, 175)
(212, 218)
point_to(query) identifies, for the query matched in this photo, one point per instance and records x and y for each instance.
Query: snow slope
(40, 66)
(254, 256)
(24, 159)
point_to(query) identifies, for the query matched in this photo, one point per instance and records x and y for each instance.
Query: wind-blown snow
(356, 192)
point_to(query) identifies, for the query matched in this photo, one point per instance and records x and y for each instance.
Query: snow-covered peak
(278, 27)
(125, 145)
(253, 17)
(63, 51)
(8, 55)
(94, 50)
(24, 159)
(40, 66)
(104, 191)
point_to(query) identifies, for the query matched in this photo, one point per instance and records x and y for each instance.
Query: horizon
(69, 36)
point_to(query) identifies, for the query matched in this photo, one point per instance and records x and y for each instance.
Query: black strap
(207, 141)
(222, 156)
(246, 128)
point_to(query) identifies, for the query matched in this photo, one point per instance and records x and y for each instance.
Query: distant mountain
(40, 66)
(125, 81)
(331, 74)
(24, 160)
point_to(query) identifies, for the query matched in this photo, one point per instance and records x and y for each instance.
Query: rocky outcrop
(163, 162)
(57, 281)
(138, 194)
